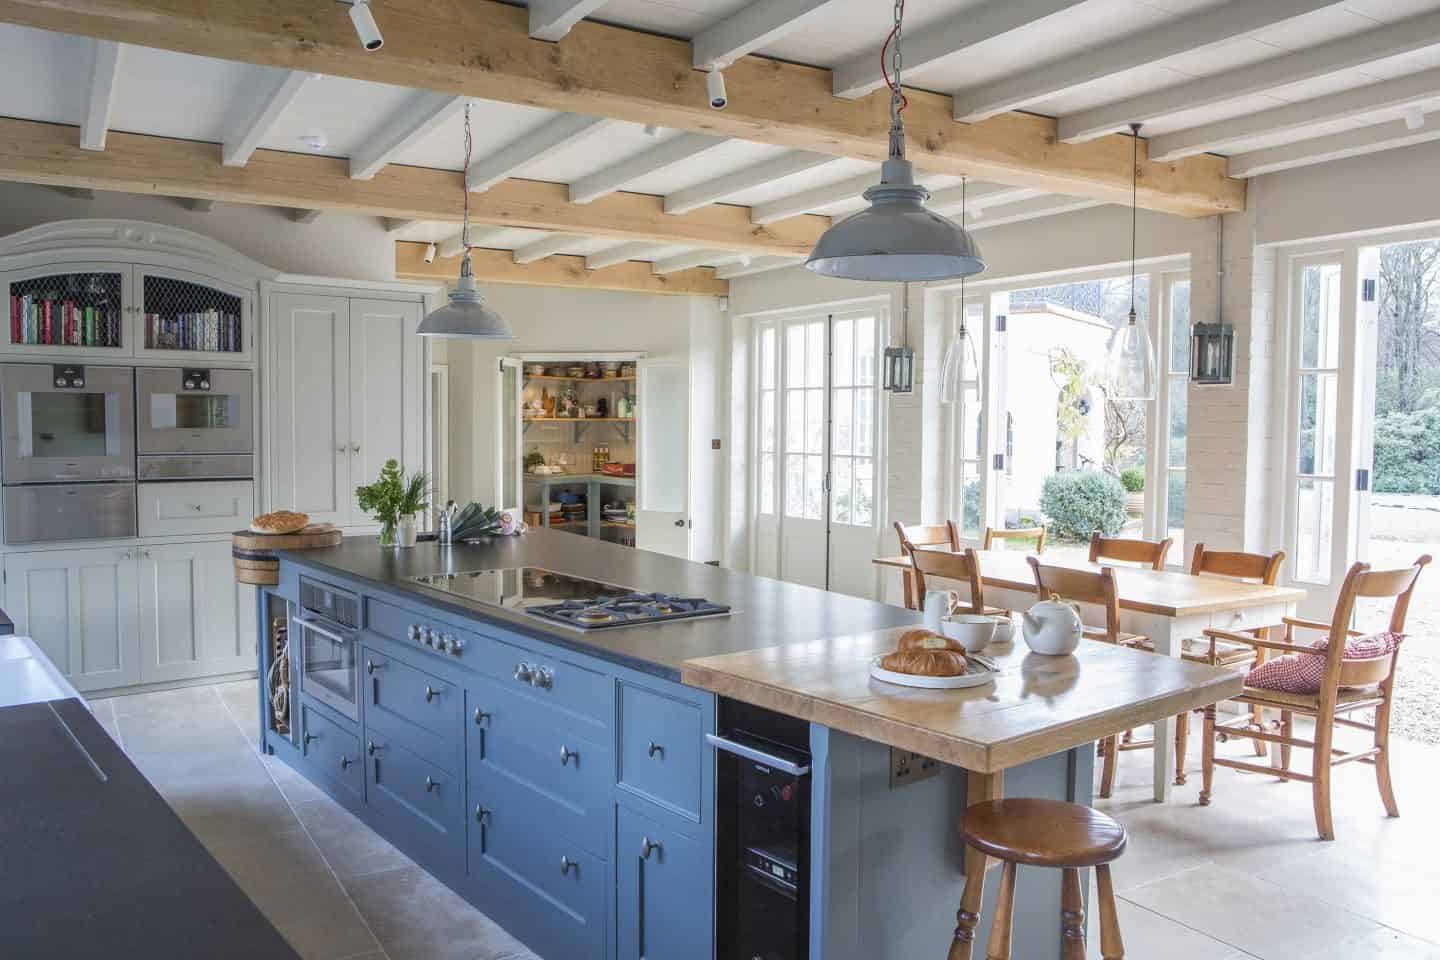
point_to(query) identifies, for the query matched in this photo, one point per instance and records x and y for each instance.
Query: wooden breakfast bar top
(1165, 593)
(1036, 707)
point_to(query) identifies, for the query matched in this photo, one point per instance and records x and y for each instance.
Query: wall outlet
(907, 767)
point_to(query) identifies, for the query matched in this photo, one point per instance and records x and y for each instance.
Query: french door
(816, 457)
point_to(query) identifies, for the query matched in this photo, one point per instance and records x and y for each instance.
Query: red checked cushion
(1302, 672)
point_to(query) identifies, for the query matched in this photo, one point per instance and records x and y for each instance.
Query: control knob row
(443, 642)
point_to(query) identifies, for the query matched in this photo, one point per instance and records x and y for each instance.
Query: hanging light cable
(1129, 361)
(896, 238)
(466, 315)
(960, 370)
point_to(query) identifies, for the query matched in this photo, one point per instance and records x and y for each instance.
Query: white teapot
(1053, 627)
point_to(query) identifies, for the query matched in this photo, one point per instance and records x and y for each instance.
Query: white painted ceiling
(197, 98)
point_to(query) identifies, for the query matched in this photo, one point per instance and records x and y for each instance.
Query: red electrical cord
(884, 59)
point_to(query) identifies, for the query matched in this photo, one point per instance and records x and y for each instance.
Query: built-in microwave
(67, 423)
(194, 423)
(326, 635)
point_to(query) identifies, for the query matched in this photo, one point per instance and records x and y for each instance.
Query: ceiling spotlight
(365, 25)
(315, 142)
(430, 253)
(1414, 118)
(715, 88)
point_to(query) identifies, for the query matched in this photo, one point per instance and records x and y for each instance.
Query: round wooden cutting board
(254, 553)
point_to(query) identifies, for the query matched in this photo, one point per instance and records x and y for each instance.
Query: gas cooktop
(575, 602)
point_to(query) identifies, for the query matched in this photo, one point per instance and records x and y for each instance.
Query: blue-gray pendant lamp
(896, 238)
(466, 316)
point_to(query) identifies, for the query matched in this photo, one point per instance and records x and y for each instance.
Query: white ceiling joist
(1049, 205)
(1391, 40)
(552, 19)
(1198, 32)
(757, 265)
(552, 136)
(711, 191)
(751, 28)
(479, 237)
(103, 72)
(546, 247)
(1414, 88)
(694, 258)
(1351, 143)
(283, 87)
(615, 177)
(419, 115)
(977, 197)
(818, 198)
(620, 253)
(939, 43)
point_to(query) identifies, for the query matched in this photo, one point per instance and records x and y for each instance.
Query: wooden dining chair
(1003, 536)
(1214, 651)
(923, 535)
(963, 567)
(1097, 588)
(1346, 685)
(1146, 553)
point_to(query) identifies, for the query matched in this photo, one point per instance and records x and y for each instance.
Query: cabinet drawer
(555, 681)
(169, 509)
(419, 706)
(567, 775)
(420, 631)
(661, 748)
(419, 803)
(665, 901)
(552, 893)
(330, 750)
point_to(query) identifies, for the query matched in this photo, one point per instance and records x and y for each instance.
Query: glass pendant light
(896, 238)
(960, 370)
(1130, 361)
(466, 315)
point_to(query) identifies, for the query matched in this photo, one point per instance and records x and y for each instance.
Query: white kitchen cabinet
(81, 607)
(195, 620)
(345, 395)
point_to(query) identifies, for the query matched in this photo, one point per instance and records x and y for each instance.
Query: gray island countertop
(765, 612)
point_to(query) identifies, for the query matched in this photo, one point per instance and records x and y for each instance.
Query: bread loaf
(926, 662)
(281, 521)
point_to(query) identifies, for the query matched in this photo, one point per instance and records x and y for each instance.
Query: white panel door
(385, 418)
(854, 425)
(191, 622)
(79, 606)
(309, 421)
(662, 515)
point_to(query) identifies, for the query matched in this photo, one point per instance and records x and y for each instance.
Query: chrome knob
(566, 865)
(413, 631)
(430, 693)
(456, 645)
(481, 717)
(442, 643)
(524, 672)
(646, 846)
(566, 755)
(372, 747)
(427, 637)
(430, 784)
(655, 748)
(371, 666)
(355, 448)
(345, 763)
(482, 815)
(542, 677)
(309, 737)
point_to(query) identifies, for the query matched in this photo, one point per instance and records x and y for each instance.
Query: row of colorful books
(51, 322)
(210, 330)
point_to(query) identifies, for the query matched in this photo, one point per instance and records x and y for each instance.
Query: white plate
(973, 679)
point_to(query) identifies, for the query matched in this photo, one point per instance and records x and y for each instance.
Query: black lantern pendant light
(896, 238)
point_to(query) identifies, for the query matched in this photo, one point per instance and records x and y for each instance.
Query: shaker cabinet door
(79, 606)
(665, 901)
(309, 421)
(195, 621)
(385, 392)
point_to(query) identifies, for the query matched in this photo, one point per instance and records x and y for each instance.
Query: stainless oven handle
(759, 756)
(312, 625)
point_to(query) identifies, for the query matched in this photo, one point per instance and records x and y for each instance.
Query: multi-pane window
(1317, 392)
(768, 438)
(852, 399)
(804, 395)
(1177, 386)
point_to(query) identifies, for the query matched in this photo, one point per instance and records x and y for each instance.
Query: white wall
(335, 245)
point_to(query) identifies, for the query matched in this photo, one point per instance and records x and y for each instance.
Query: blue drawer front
(661, 748)
(417, 706)
(535, 881)
(665, 903)
(331, 749)
(420, 805)
(568, 776)
(559, 682)
(429, 636)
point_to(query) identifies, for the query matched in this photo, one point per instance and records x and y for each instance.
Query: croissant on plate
(926, 662)
(922, 639)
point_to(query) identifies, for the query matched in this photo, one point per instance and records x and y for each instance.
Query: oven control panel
(438, 640)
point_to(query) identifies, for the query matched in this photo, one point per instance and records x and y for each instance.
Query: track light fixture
(365, 25)
(715, 89)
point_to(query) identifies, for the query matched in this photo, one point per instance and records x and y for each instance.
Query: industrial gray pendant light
(896, 238)
(466, 315)
(1130, 362)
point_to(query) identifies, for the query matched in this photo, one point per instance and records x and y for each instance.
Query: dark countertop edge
(529, 627)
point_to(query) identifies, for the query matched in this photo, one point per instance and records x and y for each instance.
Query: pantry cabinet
(345, 394)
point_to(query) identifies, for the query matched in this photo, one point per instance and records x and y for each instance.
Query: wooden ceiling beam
(482, 48)
(497, 266)
(47, 153)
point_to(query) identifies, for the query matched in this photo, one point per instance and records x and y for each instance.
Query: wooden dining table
(1165, 605)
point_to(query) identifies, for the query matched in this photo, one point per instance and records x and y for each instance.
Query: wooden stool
(1040, 833)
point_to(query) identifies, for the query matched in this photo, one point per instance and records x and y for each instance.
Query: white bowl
(973, 632)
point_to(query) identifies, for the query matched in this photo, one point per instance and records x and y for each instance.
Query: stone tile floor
(1243, 878)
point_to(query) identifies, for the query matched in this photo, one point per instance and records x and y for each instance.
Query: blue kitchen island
(565, 779)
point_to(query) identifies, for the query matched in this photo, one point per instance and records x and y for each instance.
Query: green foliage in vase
(393, 495)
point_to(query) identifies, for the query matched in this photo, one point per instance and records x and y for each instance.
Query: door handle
(371, 666)
(654, 748)
(566, 865)
(647, 846)
(566, 755)
(430, 693)
(430, 784)
(309, 737)
(481, 717)
(345, 762)
(372, 747)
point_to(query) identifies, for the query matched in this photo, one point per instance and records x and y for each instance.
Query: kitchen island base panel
(888, 865)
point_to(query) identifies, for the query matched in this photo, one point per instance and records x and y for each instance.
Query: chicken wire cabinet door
(191, 318)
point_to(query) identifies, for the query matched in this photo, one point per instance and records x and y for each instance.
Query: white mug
(937, 607)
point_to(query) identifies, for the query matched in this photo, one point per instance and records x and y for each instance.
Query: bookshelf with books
(59, 311)
(185, 314)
